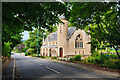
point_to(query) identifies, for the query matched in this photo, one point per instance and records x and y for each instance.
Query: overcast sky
(25, 35)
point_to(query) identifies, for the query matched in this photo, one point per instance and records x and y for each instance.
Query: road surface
(31, 67)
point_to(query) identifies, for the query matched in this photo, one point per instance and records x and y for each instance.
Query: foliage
(23, 50)
(101, 19)
(31, 42)
(18, 17)
(42, 56)
(75, 58)
(31, 51)
(34, 55)
(6, 49)
(72, 59)
(53, 57)
(26, 54)
(112, 63)
(105, 60)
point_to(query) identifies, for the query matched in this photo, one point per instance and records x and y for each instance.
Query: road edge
(113, 74)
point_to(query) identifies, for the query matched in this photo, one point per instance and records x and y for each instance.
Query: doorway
(61, 52)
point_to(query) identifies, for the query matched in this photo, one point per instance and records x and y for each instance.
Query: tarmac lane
(31, 68)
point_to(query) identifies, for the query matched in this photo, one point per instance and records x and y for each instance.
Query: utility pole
(38, 42)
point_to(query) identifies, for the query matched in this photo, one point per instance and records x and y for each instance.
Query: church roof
(53, 36)
(49, 46)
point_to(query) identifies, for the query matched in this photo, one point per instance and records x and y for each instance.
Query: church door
(61, 52)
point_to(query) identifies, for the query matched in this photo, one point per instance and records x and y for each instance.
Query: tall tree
(18, 17)
(103, 19)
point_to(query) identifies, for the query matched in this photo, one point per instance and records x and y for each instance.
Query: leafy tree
(17, 17)
(52, 29)
(102, 19)
(31, 42)
(6, 49)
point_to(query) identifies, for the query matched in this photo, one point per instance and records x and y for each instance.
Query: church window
(78, 42)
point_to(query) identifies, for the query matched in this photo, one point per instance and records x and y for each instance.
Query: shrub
(9, 55)
(42, 56)
(31, 50)
(72, 59)
(23, 50)
(64, 59)
(26, 54)
(88, 59)
(6, 49)
(77, 57)
(97, 60)
(33, 55)
(54, 57)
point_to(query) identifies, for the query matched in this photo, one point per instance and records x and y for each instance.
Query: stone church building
(66, 42)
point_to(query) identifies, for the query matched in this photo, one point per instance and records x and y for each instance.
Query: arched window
(79, 42)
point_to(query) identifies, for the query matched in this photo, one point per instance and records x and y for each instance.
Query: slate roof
(49, 46)
(53, 36)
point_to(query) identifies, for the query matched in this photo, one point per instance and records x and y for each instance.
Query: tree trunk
(117, 52)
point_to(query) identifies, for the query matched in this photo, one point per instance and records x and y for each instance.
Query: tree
(102, 19)
(17, 17)
(31, 42)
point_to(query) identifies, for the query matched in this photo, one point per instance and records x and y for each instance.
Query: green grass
(34, 55)
(47, 57)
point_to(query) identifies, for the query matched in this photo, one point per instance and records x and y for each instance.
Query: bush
(23, 50)
(64, 60)
(77, 57)
(42, 56)
(54, 57)
(112, 63)
(9, 55)
(6, 50)
(31, 50)
(26, 54)
(72, 59)
(33, 55)
(97, 60)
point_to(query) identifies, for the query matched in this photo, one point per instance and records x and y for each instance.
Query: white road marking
(47, 67)
(52, 69)
(13, 76)
(36, 62)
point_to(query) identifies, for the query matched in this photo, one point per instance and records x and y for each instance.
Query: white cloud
(25, 35)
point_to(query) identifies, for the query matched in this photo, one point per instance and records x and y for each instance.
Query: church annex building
(66, 42)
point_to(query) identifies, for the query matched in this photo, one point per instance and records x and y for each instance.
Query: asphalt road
(31, 67)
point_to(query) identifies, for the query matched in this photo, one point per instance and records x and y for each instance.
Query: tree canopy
(18, 17)
(102, 19)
